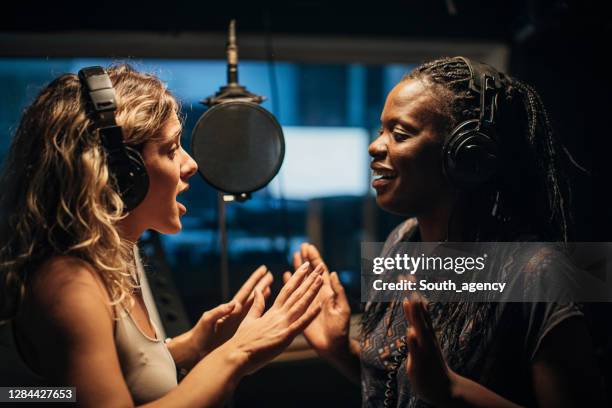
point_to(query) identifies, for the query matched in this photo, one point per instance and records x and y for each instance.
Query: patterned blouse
(491, 343)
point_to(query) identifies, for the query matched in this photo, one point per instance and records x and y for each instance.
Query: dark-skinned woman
(413, 354)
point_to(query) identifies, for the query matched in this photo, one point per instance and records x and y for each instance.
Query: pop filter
(238, 145)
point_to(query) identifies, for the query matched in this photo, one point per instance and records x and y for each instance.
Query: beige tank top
(146, 363)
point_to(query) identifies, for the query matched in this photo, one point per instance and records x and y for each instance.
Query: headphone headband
(125, 164)
(488, 83)
(101, 95)
(478, 69)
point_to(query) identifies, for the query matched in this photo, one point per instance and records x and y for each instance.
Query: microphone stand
(233, 91)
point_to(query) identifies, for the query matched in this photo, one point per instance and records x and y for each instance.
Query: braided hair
(530, 193)
(531, 188)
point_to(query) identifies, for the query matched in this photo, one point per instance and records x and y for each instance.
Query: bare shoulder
(66, 287)
(70, 327)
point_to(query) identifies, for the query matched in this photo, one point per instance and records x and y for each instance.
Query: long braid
(541, 136)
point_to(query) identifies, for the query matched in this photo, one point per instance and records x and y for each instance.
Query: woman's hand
(329, 331)
(262, 336)
(218, 325)
(430, 377)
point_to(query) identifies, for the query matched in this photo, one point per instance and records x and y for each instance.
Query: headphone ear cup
(470, 156)
(130, 175)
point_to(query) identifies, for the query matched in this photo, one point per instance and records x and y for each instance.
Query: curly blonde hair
(57, 194)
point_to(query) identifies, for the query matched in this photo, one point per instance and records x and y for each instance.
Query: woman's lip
(381, 182)
(182, 208)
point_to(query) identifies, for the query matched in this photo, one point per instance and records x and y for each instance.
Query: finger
(412, 340)
(286, 276)
(424, 330)
(238, 308)
(326, 276)
(246, 306)
(236, 314)
(224, 318)
(422, 309)
(301, 323)
(259, 304)
(263, 285)
(339, 293)
(249, 285)
(303, 288)
(413, 349)
(297, 260)
(304, 251)
(407, 312)
(292, 284)
(428, 336)
(211, 316)
(314, 256)
(413, 317)
(265, 282)
(305, 301)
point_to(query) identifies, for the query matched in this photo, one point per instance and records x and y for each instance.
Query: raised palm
(218, 325)
(329, 330)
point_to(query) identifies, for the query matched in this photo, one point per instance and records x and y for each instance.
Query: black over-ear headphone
(125, 164)
(470, 154)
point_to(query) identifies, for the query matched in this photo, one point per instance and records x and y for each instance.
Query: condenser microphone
(238, 145)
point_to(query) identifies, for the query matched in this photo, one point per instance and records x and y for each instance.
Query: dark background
(560, 47)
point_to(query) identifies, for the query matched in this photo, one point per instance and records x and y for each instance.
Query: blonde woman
(69, 285)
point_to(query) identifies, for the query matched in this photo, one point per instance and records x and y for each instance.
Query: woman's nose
(378, 148)
(189, 166)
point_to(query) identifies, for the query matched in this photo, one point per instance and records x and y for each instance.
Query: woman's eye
(172, 152)
(400, 136)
